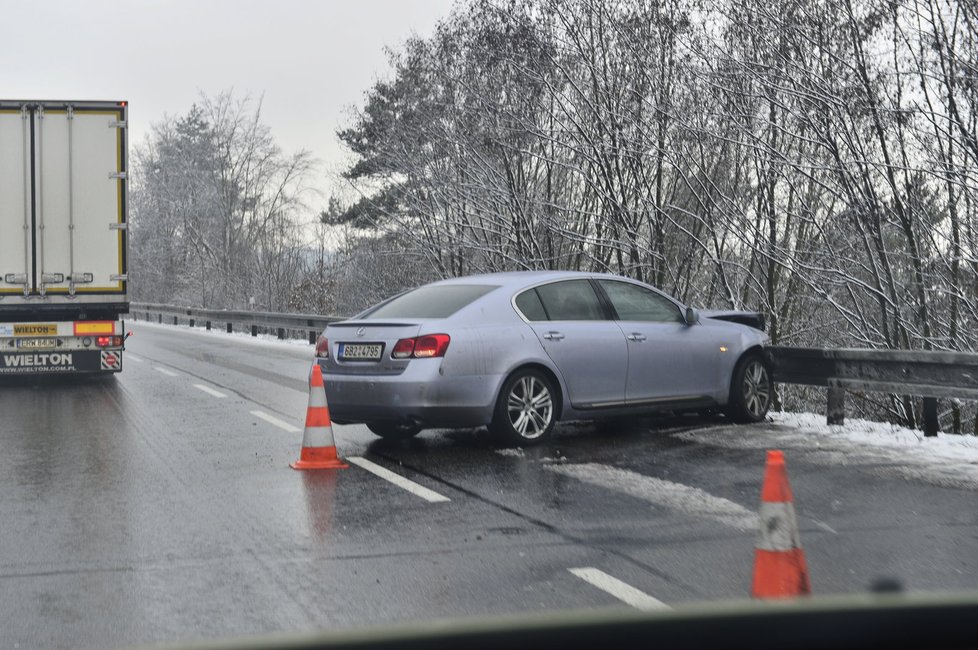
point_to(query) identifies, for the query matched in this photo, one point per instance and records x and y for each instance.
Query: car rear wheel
(526, 409)
(750, 390)
(394, 430)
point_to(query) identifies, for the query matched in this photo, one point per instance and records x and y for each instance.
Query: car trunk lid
(363, 347)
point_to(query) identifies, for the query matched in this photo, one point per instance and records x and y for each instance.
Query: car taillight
(422, 347)
(108, 341)
(432, 345)
(322, 347)
(403, 349)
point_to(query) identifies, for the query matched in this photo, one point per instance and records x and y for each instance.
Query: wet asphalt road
(158, 507)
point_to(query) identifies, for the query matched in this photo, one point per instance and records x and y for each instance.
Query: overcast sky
(312, 59)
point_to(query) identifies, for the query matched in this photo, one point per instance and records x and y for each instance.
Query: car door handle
(635, 336)
(554, 336)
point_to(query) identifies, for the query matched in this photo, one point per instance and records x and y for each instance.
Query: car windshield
(436, 301)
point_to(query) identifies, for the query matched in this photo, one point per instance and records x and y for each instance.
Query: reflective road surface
(158, 506)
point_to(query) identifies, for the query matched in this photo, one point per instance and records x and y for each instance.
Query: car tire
(526, 410)
(394, 430)
(751, 390)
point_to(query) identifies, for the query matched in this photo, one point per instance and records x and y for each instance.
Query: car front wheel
(526, 409)
(750, 390)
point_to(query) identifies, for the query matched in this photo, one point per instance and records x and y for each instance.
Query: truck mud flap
(60, 362)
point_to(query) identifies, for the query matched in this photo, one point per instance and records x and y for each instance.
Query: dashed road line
(133, 357)
(274, 421)
(168, 373)
(398, 480)
(675, 496)
(210, 391)
(620, 590)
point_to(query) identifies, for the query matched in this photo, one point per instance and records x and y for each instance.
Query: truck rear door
(62, 202)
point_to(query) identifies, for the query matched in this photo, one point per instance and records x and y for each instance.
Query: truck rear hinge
(119, 124)
(119, 278)
(114, 175)
(118, 226)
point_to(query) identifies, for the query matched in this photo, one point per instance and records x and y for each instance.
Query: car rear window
(433, 301)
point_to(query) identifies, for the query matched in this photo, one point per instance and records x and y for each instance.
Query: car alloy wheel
(751, 390)
(525, 413)
(756, 389)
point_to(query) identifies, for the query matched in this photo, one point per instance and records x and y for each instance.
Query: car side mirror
(692, 316)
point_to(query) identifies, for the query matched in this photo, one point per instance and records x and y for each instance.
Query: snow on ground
(886, 449)
(265, 340)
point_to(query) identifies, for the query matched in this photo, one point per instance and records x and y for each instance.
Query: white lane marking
(398, 480)
(620, 590)
(209, 390)
(133, 357)
(676, 496)
(168, 373)
(284, 426)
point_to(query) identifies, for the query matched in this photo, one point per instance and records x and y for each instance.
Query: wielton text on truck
(63, 276)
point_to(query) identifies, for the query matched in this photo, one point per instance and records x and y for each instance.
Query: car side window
(529, 304)
(636, 303)
(571, 300)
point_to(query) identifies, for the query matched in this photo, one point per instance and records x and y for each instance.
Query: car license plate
(361, 351)
(37, 344)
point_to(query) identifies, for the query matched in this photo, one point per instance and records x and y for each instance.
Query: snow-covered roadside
(885, 449)
(885, 437)
(262, 340)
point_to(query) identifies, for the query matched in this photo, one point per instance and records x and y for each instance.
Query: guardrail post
(208, 325)
(281, 333)
(930, 417)
(312, 337)
(176, 320)
(161, 319)
(192, 321)
(230, 328)
(836, 410)
(254, 330)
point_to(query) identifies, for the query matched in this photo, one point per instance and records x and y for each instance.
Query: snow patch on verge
(675, 496)
(264, 340)
(516, 452)
(890, 450)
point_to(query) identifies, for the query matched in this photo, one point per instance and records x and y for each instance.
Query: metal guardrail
(254, 321)
(904, 372)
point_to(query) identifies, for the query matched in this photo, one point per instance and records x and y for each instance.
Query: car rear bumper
(421, 395)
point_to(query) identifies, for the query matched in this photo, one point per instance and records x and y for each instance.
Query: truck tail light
(322, 347)
(422, 347)
(108, 341)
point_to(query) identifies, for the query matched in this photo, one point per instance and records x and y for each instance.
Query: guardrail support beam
(835, 412)
(930, 417)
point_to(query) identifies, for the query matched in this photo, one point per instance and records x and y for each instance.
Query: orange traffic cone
(318, 447)
(780, 570)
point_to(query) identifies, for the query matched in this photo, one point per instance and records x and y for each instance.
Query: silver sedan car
(519, 351)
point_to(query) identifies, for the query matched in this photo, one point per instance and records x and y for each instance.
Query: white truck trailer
(63, 276)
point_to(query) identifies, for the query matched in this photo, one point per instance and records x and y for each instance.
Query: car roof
(517, 279)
